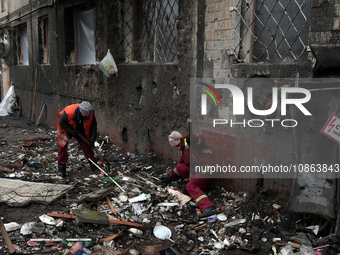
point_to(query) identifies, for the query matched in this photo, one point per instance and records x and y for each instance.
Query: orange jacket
(71, 112)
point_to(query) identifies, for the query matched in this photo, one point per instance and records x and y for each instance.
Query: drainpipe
(31, 34)
(201, 9)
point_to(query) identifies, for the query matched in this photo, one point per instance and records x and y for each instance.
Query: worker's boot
(211, 210)
(94, 168)
(61, 170)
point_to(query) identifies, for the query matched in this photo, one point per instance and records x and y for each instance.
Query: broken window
(3, 5)
(44, 49)
(150, 30)
(271, 31)
(80, 29)
(21, 45)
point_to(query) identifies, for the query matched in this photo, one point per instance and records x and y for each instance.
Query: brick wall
(219, 35)
(238, 151)
(235, 148)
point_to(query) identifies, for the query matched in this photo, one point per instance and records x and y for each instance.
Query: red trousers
(194, 186)
(63, 156)
(181, 170)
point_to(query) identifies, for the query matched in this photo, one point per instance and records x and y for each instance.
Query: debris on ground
(128, 211)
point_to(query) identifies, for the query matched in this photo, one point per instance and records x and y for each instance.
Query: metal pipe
(106, 174)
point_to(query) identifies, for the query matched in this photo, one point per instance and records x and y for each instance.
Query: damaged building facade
(50, 51)
(54, 46)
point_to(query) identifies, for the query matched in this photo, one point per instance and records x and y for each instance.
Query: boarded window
(44, 48)
(21, 45)
(79, 40)
(150, 30)
(271, 31)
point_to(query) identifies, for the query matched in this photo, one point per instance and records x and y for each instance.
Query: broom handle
(94, 148)
(6, 237)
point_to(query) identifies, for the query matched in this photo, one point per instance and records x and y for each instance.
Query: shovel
(96, 150)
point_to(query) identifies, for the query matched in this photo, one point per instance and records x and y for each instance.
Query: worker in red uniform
(194, 185)
(75, 121)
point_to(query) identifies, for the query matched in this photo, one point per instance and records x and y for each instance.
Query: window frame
(248, 41)
(71, 34)
(136, 34)
(21, 39)
(43, 37)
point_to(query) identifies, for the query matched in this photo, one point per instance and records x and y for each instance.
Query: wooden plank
(32, 89)
(68, 216)
(21, 95)
(5, 169)
(7, 75)
(96, 195)
(89, 216)
(75, 60)
(111, 206)
(252, 31)
(47, 43)
(6, 237)
(21, 47)
(109, 238)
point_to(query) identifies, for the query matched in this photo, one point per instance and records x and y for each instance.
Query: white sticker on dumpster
(332, 128)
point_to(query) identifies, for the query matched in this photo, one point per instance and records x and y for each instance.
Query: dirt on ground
(246, 223)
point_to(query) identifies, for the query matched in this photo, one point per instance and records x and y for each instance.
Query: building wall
(220, 63)
(219, 38)
(139, 108)
(324, 38)
(321, 59)
(17, 4)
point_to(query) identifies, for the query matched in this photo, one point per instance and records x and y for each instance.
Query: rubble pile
(127, 210)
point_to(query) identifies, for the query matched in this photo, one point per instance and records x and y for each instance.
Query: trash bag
(108, 65)
(8, 103)
(12, 105)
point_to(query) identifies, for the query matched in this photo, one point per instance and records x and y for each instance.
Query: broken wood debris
(111, 206)
(109, 238)
(110, 221)
(250, 224)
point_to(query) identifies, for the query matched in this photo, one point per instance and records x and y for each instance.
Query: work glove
(166, 180)
(73, 132)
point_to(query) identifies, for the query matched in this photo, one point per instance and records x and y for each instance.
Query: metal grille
(268, 30)
(150, 30)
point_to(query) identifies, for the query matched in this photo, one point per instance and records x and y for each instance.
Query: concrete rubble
(97, 217)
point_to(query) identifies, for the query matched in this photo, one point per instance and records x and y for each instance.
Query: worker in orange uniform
(75, 121)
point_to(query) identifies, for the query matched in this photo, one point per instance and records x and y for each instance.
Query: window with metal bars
(271, 31)
(150, 31)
